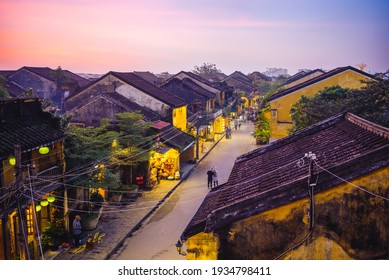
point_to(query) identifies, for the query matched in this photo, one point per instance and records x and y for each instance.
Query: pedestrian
(210, 178)
(239, 124)
(236, 124)
(228, 133)
(215, 178)
(77, 230)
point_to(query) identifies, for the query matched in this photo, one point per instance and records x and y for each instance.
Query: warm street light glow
(12, 160)
(44, 203)
(44, 150)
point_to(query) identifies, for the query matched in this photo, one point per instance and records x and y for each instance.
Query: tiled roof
(122, 101)
(200, 79)
(173, 137)
(276, 174)
(47, 73)
(13, 89)
(24, 123)
(301, 75)
(317, 79)
(150, 89)
(6, 73)
(260, 75)
(187, 89)
(237, 75)
(148, 76)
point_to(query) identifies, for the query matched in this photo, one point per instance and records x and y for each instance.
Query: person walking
(236, 124)
(77, 230)
(210, 178)
(215, 178)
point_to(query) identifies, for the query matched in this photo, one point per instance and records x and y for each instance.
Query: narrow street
(157, 238)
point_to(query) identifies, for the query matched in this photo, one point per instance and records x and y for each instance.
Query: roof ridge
(319, 78)
(368, 125)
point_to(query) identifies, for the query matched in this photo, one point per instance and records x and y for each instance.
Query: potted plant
(90, 218)
(130, 192)
(54, 234)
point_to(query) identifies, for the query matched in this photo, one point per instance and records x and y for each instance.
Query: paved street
(157, 238)
(149, 227)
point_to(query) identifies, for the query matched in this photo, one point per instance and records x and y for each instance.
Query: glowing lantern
(44, 150)
(12, 160)
(51, 198)
(38, 208)
(44, 203)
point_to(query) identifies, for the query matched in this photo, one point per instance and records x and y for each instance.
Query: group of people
(213, 180)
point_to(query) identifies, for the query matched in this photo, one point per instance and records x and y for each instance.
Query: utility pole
(311, 185)
(24, 251)
(198, 124)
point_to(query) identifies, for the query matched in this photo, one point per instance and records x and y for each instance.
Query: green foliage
(3, 91)
(105, 179)
(371, 102)
(88, 145)
(262, 128)
(133, 128)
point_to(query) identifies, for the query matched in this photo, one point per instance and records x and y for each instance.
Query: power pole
(24, 251)
(311, 185)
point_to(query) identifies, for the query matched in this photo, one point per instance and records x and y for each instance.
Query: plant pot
(90, 222)
(117, 197)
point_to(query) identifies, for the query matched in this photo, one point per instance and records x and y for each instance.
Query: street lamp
(179, 248)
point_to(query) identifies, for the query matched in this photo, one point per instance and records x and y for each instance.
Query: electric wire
(34, 213)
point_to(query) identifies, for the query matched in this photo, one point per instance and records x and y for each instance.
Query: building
(31, 168)
(118, 92)
(45, 83)
(282, 102)
(321, 193)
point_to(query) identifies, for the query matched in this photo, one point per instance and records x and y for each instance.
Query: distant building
(276, 72)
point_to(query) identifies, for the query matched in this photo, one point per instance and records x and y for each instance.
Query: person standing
(77, 230)
(215, 178)
(210, 178)
(236, 124)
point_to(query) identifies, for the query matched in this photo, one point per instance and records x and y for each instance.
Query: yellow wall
(202, 246)
(268, 235)
(346, 79)
(179, 118)
(314, 248)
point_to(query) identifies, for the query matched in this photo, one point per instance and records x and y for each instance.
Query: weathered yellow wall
(346, 220)
(179, 118)
(202, 246)
(283, 105)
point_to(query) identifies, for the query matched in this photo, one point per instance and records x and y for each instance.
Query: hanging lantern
(12, 160)
(44, 150)
(44, 203)
(51, 198)
(38, 208)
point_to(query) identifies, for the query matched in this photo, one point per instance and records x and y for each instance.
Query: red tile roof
(276, 174)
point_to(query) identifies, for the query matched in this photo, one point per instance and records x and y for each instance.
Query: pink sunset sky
(170, 35)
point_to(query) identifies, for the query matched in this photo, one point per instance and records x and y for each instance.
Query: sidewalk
(118, 222)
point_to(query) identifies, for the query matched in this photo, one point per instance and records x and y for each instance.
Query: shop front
(164, 164)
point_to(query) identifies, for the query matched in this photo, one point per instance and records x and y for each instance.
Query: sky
(98, 36)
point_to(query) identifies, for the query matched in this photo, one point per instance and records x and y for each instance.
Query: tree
(3, 91)
(262, 128)
(60, 80)
(208, 71)
(130, 149)
(370, 102)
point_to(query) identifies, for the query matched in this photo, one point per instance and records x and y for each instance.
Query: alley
(157, 238)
